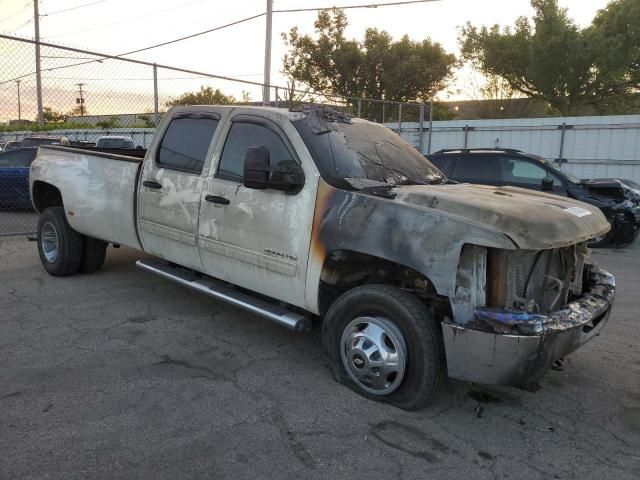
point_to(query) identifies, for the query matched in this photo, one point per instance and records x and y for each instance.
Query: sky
(118, 26)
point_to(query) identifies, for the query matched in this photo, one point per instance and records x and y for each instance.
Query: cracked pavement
(120, 374)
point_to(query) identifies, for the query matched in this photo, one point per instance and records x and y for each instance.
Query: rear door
(171, 183)
(258, 239)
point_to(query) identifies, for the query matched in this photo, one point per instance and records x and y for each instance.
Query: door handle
(217, 199)
(151, 184)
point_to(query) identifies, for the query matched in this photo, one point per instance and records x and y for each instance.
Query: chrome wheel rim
(374, 354)
(49, 242)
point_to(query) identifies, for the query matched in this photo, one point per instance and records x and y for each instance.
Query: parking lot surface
(123, 375)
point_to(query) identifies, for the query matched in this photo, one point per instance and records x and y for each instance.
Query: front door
(171, 184)
(258, 239)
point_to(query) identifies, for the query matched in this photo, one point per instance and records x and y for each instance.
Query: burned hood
(532, 220)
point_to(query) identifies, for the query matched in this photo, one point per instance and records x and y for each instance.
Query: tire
(94, 252)
(59, 246)
(603, 241)
(404, 320)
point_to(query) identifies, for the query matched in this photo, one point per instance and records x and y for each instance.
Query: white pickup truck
(310, 217)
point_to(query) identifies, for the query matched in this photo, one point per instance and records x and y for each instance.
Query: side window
(185, 143)
(477, 168)
(242, 136)
(518, 171)
(18, 158)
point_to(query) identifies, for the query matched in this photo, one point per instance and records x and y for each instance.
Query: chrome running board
(222, 291)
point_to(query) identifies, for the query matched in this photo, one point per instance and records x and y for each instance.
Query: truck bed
(98, 190)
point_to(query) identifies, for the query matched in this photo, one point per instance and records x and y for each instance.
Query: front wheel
(59, 246)
(385, 344)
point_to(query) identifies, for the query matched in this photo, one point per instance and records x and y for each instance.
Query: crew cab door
(258, 239)
(171, 183)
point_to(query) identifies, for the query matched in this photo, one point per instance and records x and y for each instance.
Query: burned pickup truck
(311, 218)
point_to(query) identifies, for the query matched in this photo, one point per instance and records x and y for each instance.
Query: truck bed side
(98, 190)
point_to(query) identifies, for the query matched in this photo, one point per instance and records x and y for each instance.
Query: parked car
(2, 144)
(618, 199)
(310, 216)
(12, 144)
(14, 178)
(36, 141)
(115, 142)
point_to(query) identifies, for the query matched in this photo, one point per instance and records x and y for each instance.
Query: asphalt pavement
(120, 374)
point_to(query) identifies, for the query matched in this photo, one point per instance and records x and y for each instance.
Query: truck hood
(532, 220)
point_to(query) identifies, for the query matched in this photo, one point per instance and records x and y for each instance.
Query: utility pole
(36, 21)
(80, 99)
(266, 89)
(19, 111)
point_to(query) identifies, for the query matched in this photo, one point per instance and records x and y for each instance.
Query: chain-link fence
(84, 96)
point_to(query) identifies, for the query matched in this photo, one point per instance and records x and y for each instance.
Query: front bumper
(515, 348)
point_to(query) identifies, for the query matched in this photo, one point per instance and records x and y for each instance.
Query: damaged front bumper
(501, 347)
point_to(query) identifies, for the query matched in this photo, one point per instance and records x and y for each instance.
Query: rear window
(35, 142)
(444, 163)
(115, 143)
(186, 142)
(478, 168)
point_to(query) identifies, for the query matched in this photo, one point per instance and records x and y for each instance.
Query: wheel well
(346, 269)
(46, 195)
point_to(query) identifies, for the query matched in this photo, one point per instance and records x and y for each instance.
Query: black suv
(618, 199)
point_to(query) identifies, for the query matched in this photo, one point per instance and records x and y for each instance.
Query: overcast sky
(117, 26)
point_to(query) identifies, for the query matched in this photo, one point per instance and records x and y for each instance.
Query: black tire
(604, 240)
(425, 365)
(94, 252)
(69, 250)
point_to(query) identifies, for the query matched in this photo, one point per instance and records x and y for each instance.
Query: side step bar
(221, 291)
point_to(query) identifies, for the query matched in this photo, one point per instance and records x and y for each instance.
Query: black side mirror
(257, 168)
(287, 175)
(547, 183)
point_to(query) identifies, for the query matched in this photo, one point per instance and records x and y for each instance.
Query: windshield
(362, 154)
(115, 143)
(566, 174)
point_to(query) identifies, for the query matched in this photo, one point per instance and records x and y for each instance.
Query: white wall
(606, 146)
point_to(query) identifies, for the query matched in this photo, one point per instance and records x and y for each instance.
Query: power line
(72, 8)
(128, 20)
(348, 7)
(24, 9)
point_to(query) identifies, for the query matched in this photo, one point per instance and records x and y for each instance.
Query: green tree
(204, 96)
(376, 67)
(551, 59)
(51, 116)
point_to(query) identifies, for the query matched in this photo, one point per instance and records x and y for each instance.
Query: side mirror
(257, 168)
(547, 184)
(287, 175)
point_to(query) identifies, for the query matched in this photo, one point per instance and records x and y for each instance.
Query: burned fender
(427, 242)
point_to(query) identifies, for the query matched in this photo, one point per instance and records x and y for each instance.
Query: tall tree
(204, 96)
(376, 67)
(550, 58)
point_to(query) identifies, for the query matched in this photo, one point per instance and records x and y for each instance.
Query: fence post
(155, 93)
(399, 118)
(359, 108)
(563, 129)
(466, 135)
(383, 105)
(421, 128)
(430, 126)
(276, 101)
